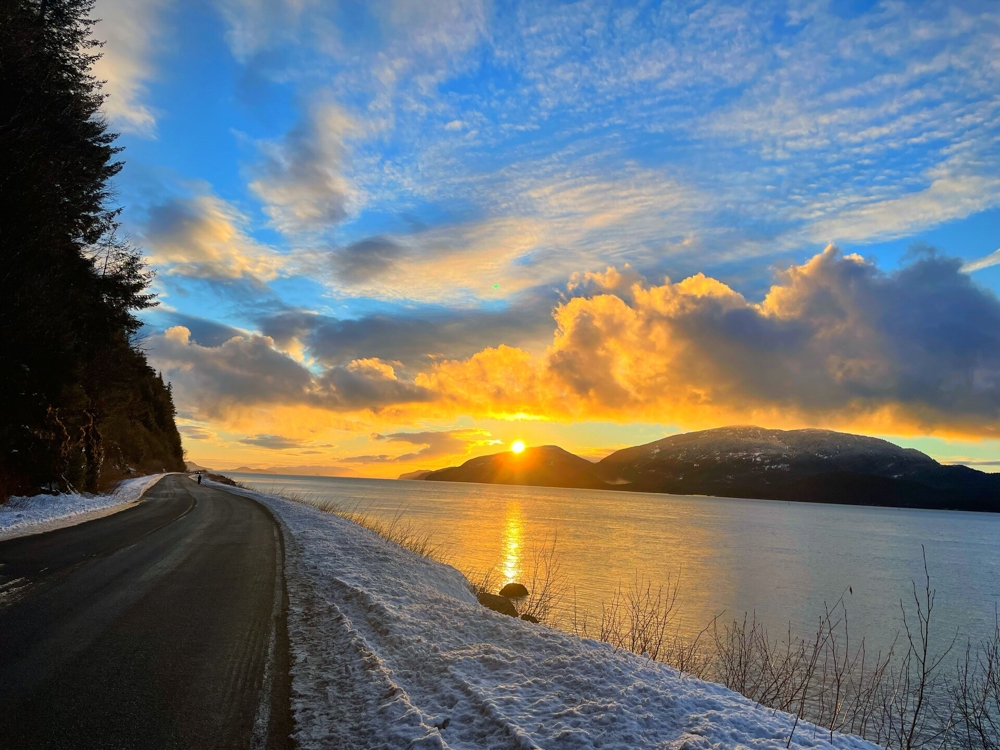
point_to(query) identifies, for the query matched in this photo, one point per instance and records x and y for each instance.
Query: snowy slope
(391, 650)
(29, 515)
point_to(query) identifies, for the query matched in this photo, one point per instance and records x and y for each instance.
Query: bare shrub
(976, 693)
(901, 698)
(398, 529)
(483, 581)
(638, 617)
(547, 584)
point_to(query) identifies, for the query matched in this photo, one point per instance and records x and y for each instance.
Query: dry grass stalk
(398, 529)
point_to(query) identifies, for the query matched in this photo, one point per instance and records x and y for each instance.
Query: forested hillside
(80, 405)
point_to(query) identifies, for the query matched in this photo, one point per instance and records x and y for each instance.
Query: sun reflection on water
(512, 543)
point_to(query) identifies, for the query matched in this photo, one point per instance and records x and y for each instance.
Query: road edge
(63, 522)
(274, 730)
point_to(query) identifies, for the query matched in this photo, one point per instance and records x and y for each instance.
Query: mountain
(305, 471)
(808, 465)
(418, 474)
(752, 462)
(192, 466)
(545, 466)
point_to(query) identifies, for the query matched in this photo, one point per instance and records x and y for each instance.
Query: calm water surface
(782, 561)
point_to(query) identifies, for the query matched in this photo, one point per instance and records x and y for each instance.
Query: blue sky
(352, 207)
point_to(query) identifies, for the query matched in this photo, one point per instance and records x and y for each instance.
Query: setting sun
(517, 446)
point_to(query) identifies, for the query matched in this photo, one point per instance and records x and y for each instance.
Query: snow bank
(391, 650)
(26, 515)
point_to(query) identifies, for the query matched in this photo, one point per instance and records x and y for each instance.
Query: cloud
(435, 444)
(203, 237)
(724, 130)
(203, 331)
(272, 442)
(128, 29)
(368, 384)
(366, 259)
(413, 336)
(987, 261)
(543, 224)
(242, 371)
(193, 432)
(835, 341)
(257, 24)
(945, 198)
(301, 177)
(249, 370)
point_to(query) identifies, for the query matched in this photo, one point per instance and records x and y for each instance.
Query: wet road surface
(161, 626)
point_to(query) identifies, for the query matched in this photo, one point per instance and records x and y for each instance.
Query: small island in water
(819, 466)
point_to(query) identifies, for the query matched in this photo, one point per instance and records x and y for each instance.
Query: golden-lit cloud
(835, 342)
(203, 237)
(540, 230)
(471, 261)
(433, 445)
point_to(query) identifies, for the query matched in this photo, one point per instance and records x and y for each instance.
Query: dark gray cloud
(365, 260)
(248, 370)
(415, 337)
(194, 433)
(367, 385)
(272, 442)
(924, 335)
(203, 331)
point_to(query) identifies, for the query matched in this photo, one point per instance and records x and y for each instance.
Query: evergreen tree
(71, 375)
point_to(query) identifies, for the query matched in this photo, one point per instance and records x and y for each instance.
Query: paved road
(158, 627)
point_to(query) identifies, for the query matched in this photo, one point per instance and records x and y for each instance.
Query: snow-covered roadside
(37, 513)
(392, 650)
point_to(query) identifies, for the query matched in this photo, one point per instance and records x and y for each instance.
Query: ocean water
(781, 562)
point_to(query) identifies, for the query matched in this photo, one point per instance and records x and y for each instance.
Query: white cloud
(128, 28)
(946, 198)
(257, 24)
(993, 259)
(301, 177)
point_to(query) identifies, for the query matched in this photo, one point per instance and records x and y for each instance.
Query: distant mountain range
(751, 462)
(419, 474)
(308, 471)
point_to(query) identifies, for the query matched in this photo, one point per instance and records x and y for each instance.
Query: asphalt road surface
(161, 626)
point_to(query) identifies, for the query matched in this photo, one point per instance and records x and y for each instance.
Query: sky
(393, 235)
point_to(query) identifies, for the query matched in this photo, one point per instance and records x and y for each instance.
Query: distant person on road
(199, 479)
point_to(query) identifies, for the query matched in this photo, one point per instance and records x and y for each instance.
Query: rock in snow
(391, 650)
(514, 591)
(500, 604)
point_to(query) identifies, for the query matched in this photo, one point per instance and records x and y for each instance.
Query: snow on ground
(392, 650)
(30, 515)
